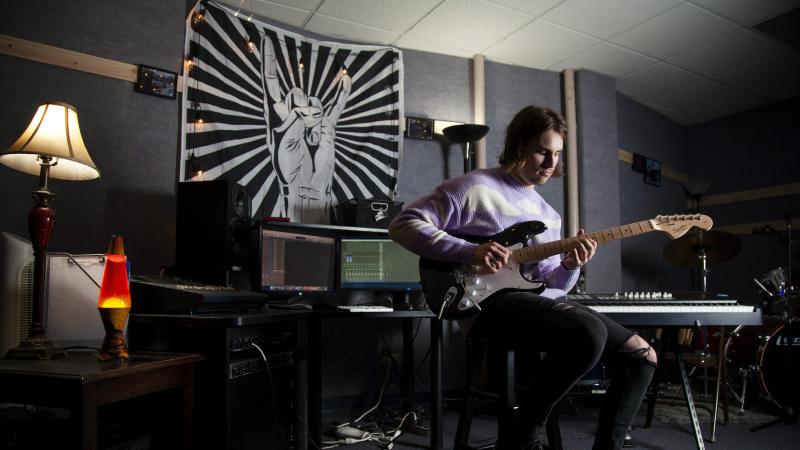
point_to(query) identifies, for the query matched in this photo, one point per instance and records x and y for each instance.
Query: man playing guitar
(488, 201)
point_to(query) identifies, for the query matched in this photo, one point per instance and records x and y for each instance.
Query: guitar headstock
(677, 225)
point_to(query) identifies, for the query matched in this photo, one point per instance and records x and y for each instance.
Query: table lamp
(51, 146)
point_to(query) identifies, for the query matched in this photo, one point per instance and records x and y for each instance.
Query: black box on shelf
(367, 213)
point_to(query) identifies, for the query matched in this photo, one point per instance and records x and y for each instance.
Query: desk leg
(88, 417)
(408, 361)
(315, 382)
(436, 384)
(188, 405)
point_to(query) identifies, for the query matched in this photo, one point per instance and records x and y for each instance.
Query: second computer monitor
(377, 264)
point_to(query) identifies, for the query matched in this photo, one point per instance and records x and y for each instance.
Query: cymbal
(686, 251)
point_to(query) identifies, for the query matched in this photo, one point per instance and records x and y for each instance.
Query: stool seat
(477, 349)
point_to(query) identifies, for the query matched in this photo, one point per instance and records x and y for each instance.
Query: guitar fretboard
(541, 251)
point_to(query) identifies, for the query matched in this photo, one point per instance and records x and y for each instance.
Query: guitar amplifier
(367, 213)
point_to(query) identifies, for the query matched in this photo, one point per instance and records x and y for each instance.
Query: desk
(217, 336)
(81, 384)
(315, 363)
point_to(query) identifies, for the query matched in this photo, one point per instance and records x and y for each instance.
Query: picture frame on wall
(157, 82)
(652, 172)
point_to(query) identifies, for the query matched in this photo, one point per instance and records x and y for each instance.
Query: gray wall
(751, 150)
(643, 131)
(598, 169)
(131, 137)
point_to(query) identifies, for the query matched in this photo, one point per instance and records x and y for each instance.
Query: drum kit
(764, 354)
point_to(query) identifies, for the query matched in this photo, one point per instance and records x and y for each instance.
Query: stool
(477, 348)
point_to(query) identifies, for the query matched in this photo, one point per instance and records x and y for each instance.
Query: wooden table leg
(87, 416)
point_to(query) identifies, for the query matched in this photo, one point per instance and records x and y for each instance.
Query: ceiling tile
(606, 18)
(424, 45)
(727, 107)
(385, 14)
(681, 118)
(655, 80)
(738, 49)
(286, 14)
(774, 79)
(534, 7)
(697, 96)
(687, 26)
(469, 24)
(540, 45)
(343, 29)
(608, 59)
(748, 12)
(310, 5)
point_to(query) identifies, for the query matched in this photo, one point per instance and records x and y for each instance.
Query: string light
(251, 46)
(301, 67)
(194, 167)
(197, 17)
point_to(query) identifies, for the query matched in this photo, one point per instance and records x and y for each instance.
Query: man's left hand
(582, 252)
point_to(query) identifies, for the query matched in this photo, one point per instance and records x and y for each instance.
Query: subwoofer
(212, 230)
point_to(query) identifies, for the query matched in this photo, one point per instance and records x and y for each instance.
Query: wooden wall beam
(48, 54)
(747, 228)
(627, 157)
(753, 194)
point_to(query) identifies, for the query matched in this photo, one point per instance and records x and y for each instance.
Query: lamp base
(35, 347)
(114, 345)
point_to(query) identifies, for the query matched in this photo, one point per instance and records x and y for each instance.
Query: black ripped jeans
(574, 339)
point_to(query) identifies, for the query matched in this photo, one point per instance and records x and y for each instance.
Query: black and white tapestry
(302, 124)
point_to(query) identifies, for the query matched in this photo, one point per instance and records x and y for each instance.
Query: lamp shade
(53, 133)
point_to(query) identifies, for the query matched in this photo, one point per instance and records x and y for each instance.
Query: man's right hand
(490, 257)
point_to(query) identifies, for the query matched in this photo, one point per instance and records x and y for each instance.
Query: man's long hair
(527, 124)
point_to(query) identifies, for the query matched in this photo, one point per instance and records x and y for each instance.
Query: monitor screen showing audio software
(378, 264)
(297, 263)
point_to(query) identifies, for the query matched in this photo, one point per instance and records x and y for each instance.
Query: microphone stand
(789, 413)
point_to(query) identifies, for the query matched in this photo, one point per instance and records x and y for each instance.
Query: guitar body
(454, 290)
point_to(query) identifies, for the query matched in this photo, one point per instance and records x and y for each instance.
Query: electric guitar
(454, 290)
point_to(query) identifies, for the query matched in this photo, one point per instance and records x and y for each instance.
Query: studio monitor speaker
(213, 226)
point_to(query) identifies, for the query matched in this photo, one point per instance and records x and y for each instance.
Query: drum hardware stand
(789, 414)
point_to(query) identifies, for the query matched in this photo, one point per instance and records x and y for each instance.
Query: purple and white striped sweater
(481, 203)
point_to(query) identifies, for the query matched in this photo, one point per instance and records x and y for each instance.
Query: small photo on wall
(158, 82)
(652, 172)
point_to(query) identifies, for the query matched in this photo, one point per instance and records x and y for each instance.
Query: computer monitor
(378, 264)
(294, 261)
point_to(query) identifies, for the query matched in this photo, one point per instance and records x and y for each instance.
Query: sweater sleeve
(421, 229)
(557, 276)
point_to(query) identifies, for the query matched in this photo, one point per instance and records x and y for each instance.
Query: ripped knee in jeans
(637, 347)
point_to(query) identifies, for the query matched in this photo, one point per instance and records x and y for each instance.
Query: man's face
(541, 157)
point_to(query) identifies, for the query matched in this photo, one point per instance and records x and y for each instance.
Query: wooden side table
(80, 383)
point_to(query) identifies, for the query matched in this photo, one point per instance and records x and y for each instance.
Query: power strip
(350, 432)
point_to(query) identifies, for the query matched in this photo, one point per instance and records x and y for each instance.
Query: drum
(763, 352)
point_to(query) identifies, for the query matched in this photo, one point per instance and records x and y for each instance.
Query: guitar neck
(538, 252)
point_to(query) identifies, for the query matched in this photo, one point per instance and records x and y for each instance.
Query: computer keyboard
(365, 308)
